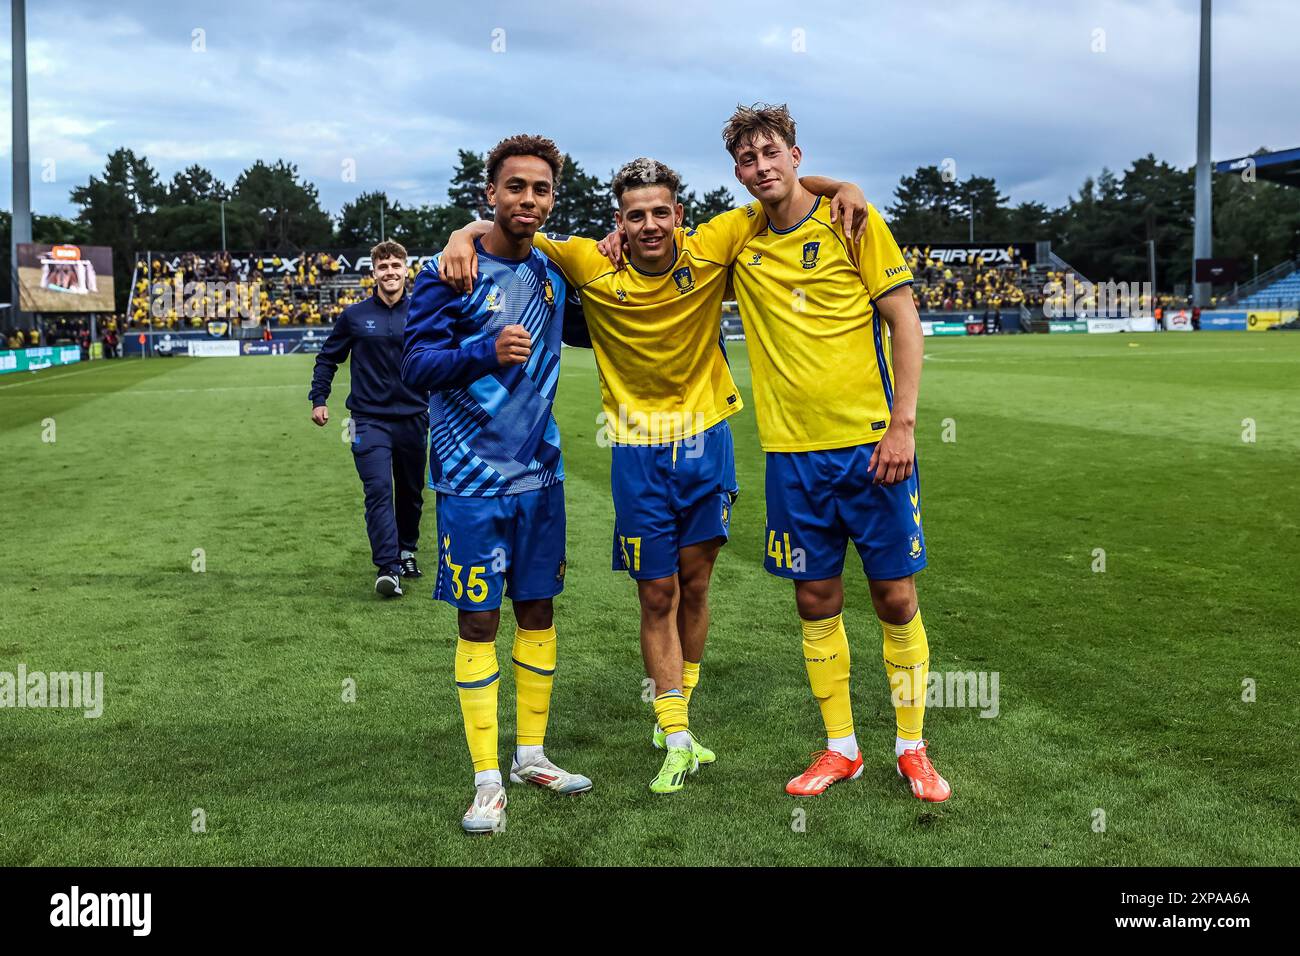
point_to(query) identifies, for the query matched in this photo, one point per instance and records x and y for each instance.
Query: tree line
(272, 207)
(1101, 231)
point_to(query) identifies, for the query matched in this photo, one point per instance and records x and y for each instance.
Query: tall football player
(835, 399)
(490, 359)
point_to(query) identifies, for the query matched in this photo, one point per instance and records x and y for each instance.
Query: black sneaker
(410, 569)
(388, 585)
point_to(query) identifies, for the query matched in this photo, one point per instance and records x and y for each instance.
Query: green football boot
(702, 753)
(672, 775)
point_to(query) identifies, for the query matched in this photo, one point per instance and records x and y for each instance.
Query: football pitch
(1108, 536)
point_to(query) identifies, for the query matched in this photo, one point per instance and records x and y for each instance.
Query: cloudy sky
(1037, 94)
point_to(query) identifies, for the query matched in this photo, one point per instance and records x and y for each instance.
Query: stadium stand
(309, 289)
(1283, 293)
(950, 287)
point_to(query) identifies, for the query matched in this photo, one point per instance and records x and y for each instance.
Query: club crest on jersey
(548, 291)
(810, 254)
(915, 552)
(493, 301)
(684, 280)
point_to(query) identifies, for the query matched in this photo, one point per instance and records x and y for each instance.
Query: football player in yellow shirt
(667, 392)
(835, 398)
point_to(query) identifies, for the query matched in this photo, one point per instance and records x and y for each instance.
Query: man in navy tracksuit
(391, 420)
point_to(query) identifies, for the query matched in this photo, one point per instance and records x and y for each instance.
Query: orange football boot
(828, 767)
(915, 767)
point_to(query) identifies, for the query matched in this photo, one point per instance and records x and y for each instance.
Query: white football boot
(542, 773)
(487, 814)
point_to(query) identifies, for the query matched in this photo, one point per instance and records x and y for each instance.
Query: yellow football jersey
(658, 338)
(818, 351)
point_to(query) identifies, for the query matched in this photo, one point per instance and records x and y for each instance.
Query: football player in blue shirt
(490, 359)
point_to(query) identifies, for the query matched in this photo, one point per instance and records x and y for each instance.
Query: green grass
(1119, 690)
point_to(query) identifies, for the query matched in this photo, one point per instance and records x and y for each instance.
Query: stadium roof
(1282, 166)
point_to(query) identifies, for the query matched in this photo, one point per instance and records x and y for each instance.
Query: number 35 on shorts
(464, 582)
(784, 555)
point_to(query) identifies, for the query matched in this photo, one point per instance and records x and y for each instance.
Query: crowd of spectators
(940, 286)
(982, 288)
(67, 330)
(313, 291)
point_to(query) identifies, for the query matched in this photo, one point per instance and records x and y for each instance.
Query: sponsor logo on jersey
(493, 301)
(810, 254)
(895, 271)
(755, 260)
(548, 291)
(622, 295)
(684, 280)
(557, 237)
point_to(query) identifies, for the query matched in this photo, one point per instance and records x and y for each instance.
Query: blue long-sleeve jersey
(373, 334)
(491, 431)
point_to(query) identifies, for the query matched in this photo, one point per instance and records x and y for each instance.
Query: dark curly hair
(524, 145)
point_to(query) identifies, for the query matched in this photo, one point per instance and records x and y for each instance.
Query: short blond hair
(773, 121)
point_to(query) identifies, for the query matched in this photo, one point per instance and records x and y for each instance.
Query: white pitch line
(32, 381)
(159, 391)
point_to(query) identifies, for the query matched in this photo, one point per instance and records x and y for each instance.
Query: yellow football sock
(690, 678)
(826, 655)
(477, 679)
(670, 711)
(534, 657)
(907, 664)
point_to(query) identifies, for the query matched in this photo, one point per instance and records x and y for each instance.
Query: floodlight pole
(1202, 242)
(383, 201)
(21, 231)
(1151, 270)
(223, 225)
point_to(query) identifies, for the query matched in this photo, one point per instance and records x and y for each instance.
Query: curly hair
(524, 145)
(644, 172)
